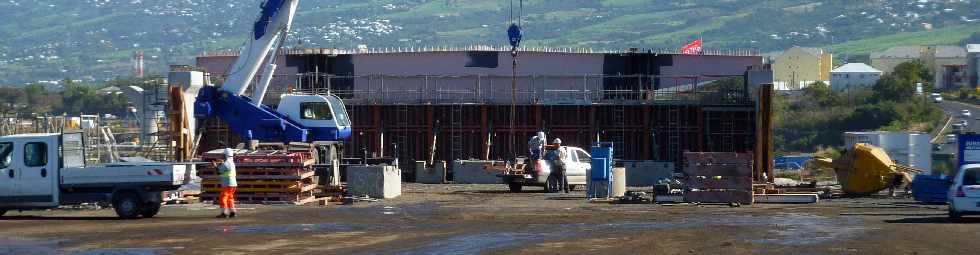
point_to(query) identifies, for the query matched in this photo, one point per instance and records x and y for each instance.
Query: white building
(907, 148)
(854, 75)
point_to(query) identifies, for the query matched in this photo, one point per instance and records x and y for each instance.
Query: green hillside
(92, 40)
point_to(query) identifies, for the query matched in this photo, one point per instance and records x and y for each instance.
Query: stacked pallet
(718, 177)
(264, 177)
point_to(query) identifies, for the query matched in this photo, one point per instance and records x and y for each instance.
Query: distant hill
(94, 39)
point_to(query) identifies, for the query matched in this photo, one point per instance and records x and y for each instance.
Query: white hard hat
(557, 141)
(229, 152)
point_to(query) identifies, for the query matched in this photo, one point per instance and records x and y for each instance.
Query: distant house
(947, 63)
(798, 67)
(854, 75)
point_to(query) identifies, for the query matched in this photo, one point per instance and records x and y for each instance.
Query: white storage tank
(907, 148)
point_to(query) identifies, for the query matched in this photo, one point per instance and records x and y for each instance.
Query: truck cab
(29, 169)
(44, 171)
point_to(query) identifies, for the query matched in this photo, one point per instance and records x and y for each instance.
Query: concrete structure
(948, 63)
(475, 172)
(544, 77)
(647, 173)
(973, 65)
(459, 101)
(854, 75)
(381, 182)
(430, 175)
(798, 67)
(907, 148)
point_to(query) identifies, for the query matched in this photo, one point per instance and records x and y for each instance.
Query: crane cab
(325, 116)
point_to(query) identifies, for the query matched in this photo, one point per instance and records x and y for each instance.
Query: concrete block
(374, 181)
(647, 173)
(432, 175)
(475, 172)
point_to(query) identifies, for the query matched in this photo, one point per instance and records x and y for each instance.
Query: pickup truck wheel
(151, 210)
(515, 187)
(552, 185)
(128, 206)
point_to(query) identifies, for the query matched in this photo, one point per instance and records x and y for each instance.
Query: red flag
(692, 48)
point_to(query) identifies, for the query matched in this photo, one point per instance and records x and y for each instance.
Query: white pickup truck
(43, 171)
(539, 172)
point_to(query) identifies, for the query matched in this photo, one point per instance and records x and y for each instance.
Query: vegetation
(75, 99)
(817, 118)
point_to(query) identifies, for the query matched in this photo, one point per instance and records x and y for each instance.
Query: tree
(891, 87)
(10, 98)
(821, 94)
(914, 72)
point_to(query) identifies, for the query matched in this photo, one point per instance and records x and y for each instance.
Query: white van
(964, 194)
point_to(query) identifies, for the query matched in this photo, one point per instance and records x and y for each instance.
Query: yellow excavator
(867, 170)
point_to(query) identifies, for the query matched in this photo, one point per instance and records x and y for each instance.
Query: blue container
(930, 188)
(600, 169)
(602, 161)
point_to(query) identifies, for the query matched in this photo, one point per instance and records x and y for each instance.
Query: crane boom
(299, 118)
(270, 28)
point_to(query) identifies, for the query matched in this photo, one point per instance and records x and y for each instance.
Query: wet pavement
(475, 220)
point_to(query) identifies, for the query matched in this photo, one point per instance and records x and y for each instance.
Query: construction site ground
(473, 219)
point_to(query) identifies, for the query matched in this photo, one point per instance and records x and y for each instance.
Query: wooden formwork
(718, 177)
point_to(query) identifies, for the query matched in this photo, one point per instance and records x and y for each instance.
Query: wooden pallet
(268, 158)
(715, 177)
(266, 198)
(261, 186)
(263, 173)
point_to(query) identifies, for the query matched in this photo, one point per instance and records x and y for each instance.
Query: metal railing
(548, 90)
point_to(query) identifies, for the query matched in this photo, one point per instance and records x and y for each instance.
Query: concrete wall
(887, 65)
(847, 81)
(796, 65)
(374, 181)
(826, 65)
(474, 172)
(430, 175)
(647, 173)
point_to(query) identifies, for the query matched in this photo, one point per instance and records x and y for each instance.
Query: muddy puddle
(41, 247)
(791, 229)
(420, 209)
(285, 228)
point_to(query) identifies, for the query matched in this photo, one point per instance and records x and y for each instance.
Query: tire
(954, 215)
(552, 185)
(515, 187)
(2, 212)
(128, 206)
(571, 187)
(150, 210)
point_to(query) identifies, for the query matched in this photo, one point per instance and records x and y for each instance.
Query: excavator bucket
(866, 170)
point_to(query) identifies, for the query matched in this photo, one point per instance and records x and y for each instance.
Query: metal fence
(536, 90)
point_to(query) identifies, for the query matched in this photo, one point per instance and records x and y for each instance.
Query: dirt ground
(486, 219)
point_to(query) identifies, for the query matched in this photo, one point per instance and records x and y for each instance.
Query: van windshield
(6, 152)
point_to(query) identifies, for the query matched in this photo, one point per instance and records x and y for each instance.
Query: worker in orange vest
(229, 184)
